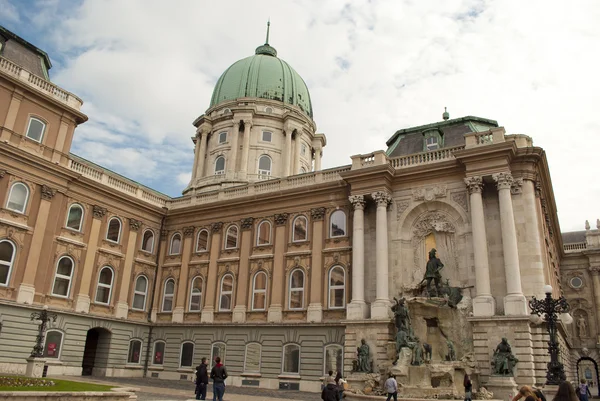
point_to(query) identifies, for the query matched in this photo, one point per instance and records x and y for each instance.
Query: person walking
(565, 392)
(468, 385)
(201, 380)
(218, 374)
(584, 391)
(330, 391)
(339, 382)
(391, 387)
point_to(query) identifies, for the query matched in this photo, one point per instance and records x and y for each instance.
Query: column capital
(594, 270)
(2, 173)
(247, 223)
(164, 234)
(317, 213)
(474, 184)
(98, 212)
(503, 180)
(281, 219)
(538, 188)
(358, 201)
(134, 224)
(383, 198)
(247, 124)
(216, 227)
(188, 231)
(47, 192)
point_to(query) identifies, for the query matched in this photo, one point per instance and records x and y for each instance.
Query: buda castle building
(277, 266)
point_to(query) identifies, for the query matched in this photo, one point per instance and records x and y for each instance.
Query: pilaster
(239, 311)
(122, 309)
(315, 308)
(184, 272)
(208, 312)
(275, 313)
(246, 147)
(235, 133)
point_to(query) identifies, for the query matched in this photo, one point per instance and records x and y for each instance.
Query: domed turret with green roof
(265, 76)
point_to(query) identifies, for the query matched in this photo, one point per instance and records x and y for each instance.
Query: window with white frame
(168, 294)
(105, 282)
(17, 198)
(159, 353)
(226, 296)
(231, 237)
(263, 232)
(63, 276)
(135, 350)
(187, 355)
(431, 143)
(296, 298)
(267, 136)
(175, 248)
(139, 293)
(113, 233)
(264, 167)
(148, 241)
(337, 287)
(53, 345)
(291, 359)
(259, 291)
(202, 241)
(217, 350)
(36, 129)
(7, 258)
(300, 232)
(333, 358)
(223, 137)
(337, 224)
(252, 358)
(220, 165)
(75, 217)
(196, 295)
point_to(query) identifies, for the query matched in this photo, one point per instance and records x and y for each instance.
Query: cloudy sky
(146, 70)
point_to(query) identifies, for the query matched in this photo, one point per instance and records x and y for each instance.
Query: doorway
(95, 353)
(587, 369)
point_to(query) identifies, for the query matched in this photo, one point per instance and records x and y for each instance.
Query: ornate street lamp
(43, 318)
(550, 308)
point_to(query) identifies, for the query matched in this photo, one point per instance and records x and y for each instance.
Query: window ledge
(53, 362)
(289, 376)
(134, 366)
(156, 367)
(186, 370)
(250, 374)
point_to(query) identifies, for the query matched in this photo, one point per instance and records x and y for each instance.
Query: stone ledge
(67, 395)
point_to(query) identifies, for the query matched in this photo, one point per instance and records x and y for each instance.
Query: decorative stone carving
(401, 207)
(474, 184)
(2, 173)
(517, 186)
(188, 231)
(247, 223)
(134, 224)
(587, 225)
(357, 201)
(434, 221)
(538, 189)
(164, 234)
(47, 192)
(382, 198)
(429, 193)
(317, 213)
(503, 180)
(216, 227)
(281, 219)
(594, 270)
(98, 212)
(461, 199)
(582, 328)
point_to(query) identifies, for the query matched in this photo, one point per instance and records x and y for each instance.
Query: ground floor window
(291, 359)
(334, 358)
(187, 355)
(135, 347)
(159, 353)
(53, 344)
(252, 360)
(218, 350)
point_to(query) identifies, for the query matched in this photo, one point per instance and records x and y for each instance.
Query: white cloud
(8, 11)
(147, 69)
(184, 179)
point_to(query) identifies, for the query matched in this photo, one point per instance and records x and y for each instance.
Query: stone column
(239, 311)
(275, 313)
(357, 308)
(380, 309)
(246, 149)
(82, 301)
(315, 307)
(318, 155)
(287, 159)
(298, 146)
(534, 283)
(208, 312)
(26, 291)
(122, 309)
(235, 133)
(201, 155)
(595, 273)
(183, 285)
(159, 279)
(514, 301)
(483, 304)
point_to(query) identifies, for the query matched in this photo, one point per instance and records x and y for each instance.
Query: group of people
(218, 374)
(333, 389)
(566, 392)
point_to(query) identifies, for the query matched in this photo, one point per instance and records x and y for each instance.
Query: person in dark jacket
(468, 385)
(330, 392)
(218, 373)
(340, 385)
(201, 380)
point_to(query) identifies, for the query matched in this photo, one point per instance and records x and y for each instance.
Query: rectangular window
(266, 136)
(432, 143)
(187, 355)
(218, 350)
(291, 359)
(159, 353)
(53, 343)
(223, 137)
(135, 346)
(252, 362)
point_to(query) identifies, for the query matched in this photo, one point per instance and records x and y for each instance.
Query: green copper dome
(265, 76)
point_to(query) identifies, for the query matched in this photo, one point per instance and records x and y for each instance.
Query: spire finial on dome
(266, 49)
(268, 28)
(446, 115)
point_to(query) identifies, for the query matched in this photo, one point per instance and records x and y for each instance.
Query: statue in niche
(451, 356)
(503, 360)
(363, 364)
(432, 273)
(582, 327)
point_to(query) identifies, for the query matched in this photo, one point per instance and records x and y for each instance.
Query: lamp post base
(35, 367)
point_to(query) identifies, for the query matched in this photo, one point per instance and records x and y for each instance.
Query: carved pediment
(432, 221)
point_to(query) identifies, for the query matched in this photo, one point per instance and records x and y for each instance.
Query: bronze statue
(432, 273)
(427, 352)
(451, 356)
(503, 360)
(363, 364)
(401, 316)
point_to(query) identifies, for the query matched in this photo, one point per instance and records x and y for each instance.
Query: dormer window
(431, 143)
(432, 140)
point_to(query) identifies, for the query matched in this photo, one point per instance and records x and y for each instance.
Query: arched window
(252, 358)
(223, 137)
(220, 165)
(186, 357)
(264, 167)
(217, 350)
(226, 297)
(337, 287)
(291, 359)
(148, 241)
(333, 358)
(139, 293)
(17, 199)
(36, 129)
(105, 282)
(159, 353)
(296, 300)
(231, 237)
(175, 248)
(114, 230)
(7, 258)
(196, 295)
(300, 231)
(63, 276)
(259, 291)
(53, 346)
(168, 294)
(263, 233)
(202, 241)
(135, 350)
(75, 217)
(337, 224)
